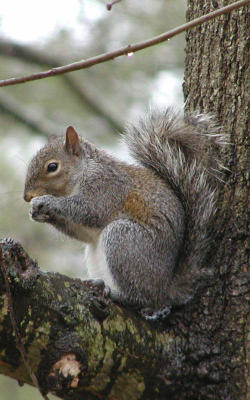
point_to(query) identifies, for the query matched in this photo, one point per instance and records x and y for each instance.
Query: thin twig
(34, 121)
(110, 5)
(19, 343)
(124, 50)
(83, 91)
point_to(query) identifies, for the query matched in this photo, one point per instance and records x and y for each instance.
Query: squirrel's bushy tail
(183, 151)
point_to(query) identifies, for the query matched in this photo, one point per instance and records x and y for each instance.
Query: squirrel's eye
(52, 167)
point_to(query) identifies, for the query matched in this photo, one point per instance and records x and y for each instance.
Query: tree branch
(34, 121)
(77, 342)
(19, 343)
(81, 91)
(83, 64)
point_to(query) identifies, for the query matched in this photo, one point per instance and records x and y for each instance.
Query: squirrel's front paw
(41, 208)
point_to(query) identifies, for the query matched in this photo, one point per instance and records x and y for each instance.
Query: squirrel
(145, 225)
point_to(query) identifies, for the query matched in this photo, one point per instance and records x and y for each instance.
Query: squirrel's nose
(27, 197)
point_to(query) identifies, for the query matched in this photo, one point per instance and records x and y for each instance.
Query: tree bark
(82, 346)
(78, 343)
(216, 81)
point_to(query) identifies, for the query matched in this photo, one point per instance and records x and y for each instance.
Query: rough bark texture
(81, 346)
(216, 81)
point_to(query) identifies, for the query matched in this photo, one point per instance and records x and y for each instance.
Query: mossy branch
(77, 342)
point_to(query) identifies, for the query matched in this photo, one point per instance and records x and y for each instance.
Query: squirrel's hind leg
(141, 278)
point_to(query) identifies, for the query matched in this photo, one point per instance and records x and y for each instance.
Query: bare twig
(82, 91)
(110, 5)
(124, 50)
(20, 113)
(19, 343)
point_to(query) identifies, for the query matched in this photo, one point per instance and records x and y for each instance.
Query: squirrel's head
(54, 169)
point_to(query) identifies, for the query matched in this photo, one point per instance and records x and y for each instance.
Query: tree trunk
(81, 346)
(216, 82)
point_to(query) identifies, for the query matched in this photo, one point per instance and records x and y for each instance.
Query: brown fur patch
(137, 208)
(136, 204)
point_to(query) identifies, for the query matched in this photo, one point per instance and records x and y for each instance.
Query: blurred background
(36, 36)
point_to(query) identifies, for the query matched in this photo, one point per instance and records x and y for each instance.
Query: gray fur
(183, 152)
(147, 225)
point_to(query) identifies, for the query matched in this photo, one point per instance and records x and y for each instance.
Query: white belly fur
(97, 267)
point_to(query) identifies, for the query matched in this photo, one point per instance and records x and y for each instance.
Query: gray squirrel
(146, 225)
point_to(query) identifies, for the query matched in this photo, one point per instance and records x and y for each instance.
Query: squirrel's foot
(107, 292)
(99, 284)
(95, 282)
(155, 315)
(42, 208)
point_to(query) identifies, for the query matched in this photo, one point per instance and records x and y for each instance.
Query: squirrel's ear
(72, 144)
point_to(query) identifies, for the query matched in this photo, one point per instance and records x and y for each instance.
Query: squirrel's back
(182, 150)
